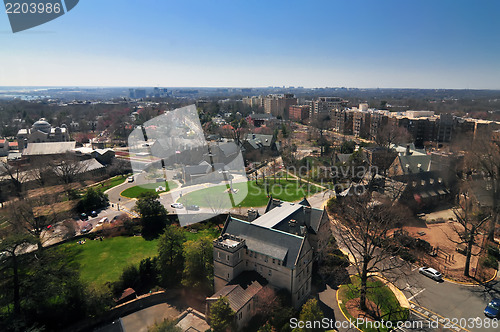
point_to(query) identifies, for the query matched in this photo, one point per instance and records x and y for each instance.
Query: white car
(130, 179)
(103, 220)
(177, 205)
(431, 273)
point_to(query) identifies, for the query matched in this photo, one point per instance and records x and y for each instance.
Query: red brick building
(299, 112)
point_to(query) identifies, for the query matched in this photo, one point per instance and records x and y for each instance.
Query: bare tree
(471, 223)
(14, 174)
(483, 158)
(366, 228)
(69, 169)
(322, 122)
(41, 172)
(23, 216)
(11, 245)
(392, 134)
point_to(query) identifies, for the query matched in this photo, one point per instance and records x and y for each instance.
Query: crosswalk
(433, 320)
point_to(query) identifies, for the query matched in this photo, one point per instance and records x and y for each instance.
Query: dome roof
(42, 125)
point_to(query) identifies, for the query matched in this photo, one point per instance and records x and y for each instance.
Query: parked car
(193, 207)
(93, 214)
(103, 220)
(492, 310)
(86, 228)
(431, 273)
(177, 205)
(84, 216)
(130, 179)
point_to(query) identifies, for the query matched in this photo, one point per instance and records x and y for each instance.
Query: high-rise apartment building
(278, 105)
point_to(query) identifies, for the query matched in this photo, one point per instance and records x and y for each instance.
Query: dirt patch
(449, 261)
(353, 309)
(52, 190)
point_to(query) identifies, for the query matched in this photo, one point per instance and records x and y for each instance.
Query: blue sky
(356, 43)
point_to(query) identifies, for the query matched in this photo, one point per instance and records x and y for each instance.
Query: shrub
(423, 246)
(407, 256)
(332, 203)
(490, 261)
(494, 251)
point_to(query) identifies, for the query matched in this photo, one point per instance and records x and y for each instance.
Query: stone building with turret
(281, 246)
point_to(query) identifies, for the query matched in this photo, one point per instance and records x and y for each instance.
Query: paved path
(140, 320)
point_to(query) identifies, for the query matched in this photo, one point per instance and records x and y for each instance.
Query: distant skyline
(358, 44)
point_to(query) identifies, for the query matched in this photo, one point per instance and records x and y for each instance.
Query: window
(270, 272)
(227, 257)
(274, 261)
(265, 259)
(228, 276)
(240, 315)
(249, 305)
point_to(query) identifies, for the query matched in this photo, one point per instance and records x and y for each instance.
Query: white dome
(42, 125)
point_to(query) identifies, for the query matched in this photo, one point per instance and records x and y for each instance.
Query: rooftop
(49, 148)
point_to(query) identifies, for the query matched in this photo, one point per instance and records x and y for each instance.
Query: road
(127, 204)
(458, 306)
(449, 303)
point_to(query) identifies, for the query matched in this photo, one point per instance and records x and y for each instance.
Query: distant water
(23, 97)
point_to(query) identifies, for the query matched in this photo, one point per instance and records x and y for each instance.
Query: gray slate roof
(413, 162)
(288, 217)
(237, 296)
(267, 241)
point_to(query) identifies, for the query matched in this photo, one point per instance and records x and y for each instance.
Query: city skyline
(361, 44)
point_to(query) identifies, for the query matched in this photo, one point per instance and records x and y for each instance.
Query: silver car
(431, 273)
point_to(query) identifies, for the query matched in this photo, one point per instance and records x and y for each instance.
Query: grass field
(113, 182)
(135, 191)
(104, 261)
(379, 294)
(257, 195)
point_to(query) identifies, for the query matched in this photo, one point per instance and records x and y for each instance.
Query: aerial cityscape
(229, 166)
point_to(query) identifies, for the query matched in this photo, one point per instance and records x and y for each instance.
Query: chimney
(408, 150)
(252, 215)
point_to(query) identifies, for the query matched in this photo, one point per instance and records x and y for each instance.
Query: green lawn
(113, 182)
(103, 261)
(378, 293)
(211, 233)
(249, 194)
(134, 192)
